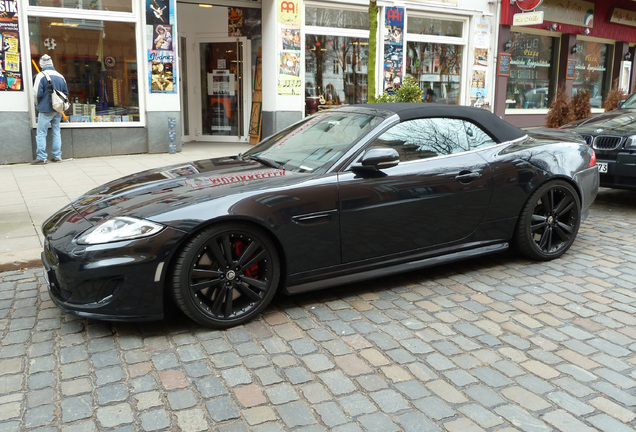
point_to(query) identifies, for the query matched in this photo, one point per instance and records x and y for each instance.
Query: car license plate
(602, 167)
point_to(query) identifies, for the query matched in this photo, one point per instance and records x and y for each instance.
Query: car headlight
(630, 143)
(119, 228)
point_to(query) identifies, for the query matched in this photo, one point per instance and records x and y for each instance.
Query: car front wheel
(549, 221)
(226, 275)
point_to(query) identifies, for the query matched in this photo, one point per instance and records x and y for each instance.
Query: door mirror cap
(378, 158)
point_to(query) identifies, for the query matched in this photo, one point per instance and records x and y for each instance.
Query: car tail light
(593, 159)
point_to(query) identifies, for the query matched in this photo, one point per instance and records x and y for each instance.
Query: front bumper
(588, 183)
(621, 172)
(121, 281)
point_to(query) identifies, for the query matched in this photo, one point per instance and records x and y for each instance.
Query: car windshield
(315, 143)
(630, 102)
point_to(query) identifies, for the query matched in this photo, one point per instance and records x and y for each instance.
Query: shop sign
(530, 18)
(622, 16)
(573, 12)
(528, 5)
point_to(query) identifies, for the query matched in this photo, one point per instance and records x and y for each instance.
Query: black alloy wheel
(549, 221)
(226, 275)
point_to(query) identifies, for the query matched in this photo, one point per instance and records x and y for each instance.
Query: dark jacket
(41, 88)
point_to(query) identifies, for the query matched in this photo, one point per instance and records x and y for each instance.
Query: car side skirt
(365, 274)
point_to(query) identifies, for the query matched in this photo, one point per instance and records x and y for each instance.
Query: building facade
(575, 45)
(150, 76)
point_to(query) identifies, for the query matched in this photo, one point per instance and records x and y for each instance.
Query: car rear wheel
(226, 275)
(549, 221)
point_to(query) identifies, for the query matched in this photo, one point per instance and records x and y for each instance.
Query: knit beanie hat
(46, 60)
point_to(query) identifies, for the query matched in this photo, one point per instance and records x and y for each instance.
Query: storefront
(579, 45)
(146, 76)
(447, 46)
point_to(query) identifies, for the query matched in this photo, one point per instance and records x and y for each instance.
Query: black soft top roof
(498, 129)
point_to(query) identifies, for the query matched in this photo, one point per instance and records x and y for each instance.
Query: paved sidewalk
(31, 193)
(497, 343)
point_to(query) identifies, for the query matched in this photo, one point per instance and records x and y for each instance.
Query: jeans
(44, 119)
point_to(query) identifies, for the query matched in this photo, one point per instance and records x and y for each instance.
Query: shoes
(38, 162)
(56, 159)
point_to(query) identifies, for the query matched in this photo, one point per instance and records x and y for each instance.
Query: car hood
(615, 122)
(164, 189)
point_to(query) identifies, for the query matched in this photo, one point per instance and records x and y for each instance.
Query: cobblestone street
(495, 344)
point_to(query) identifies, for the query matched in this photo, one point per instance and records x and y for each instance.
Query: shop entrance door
(223, 96)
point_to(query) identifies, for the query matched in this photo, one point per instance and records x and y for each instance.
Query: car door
(437, 194)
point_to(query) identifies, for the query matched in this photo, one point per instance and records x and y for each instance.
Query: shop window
(336, 18)
(100, 5)
(434, 26)
(532, 80)
(332, 72)
(591, 71)
(99, 62)
(437, 68)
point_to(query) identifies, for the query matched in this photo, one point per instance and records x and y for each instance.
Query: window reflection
(426, 138)
(336, 18)
(435, 27)
(98, 61)
(437, 69)
(335, 70)
(531, 71)
(102, 5)
(591, 71)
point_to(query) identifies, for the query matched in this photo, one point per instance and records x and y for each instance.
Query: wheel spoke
(564, 206)
(218, 301)
(200, 286)
(248, 292)
(538, 222)
(214, 248)
(546, 239)
(564, 231)
(227, 248)
(228, 303)
(548, 201)
(255, 260)
(198, 273)
(248, 252)
(255, 283)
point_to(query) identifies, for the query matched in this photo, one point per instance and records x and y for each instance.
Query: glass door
(222, 76)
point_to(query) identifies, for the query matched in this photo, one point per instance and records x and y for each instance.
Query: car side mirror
(620, 104)
(377, 158)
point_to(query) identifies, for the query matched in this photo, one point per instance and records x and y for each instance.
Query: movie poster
(393, 47)
(289, 80)
(244, 22)
(160, 21)
(10, 65)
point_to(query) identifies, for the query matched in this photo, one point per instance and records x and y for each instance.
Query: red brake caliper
(239, 247)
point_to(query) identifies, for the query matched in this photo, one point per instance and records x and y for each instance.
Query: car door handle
(467, 176)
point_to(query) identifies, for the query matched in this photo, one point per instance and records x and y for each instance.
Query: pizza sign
(528, 5)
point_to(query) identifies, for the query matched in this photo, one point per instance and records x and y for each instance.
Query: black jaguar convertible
(347, 194)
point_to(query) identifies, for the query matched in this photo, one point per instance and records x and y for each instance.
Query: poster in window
(393, 47)
(160, 21)
(163, 37)
(161, 78)
(158, 12)
(571, 69)
(10, 64)
(289, 80)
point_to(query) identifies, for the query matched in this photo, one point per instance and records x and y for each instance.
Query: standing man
(46, 114)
